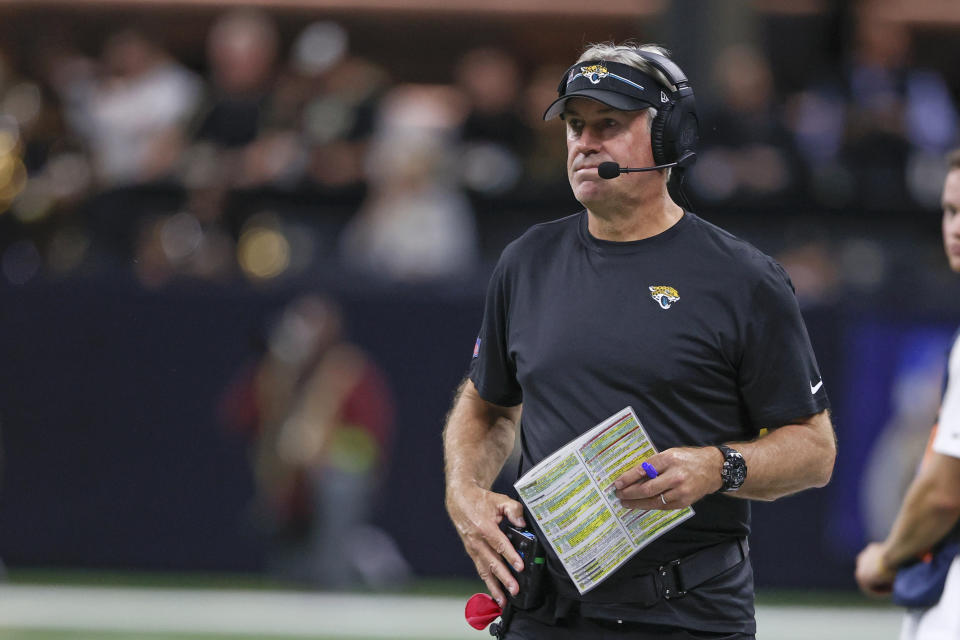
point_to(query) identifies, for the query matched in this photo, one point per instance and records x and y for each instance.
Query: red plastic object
(481, 610)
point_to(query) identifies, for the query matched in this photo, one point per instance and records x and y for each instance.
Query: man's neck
(624, 224)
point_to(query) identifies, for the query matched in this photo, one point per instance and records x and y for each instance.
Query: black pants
(523, 627)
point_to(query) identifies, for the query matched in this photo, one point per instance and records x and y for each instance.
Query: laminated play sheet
(571, 496)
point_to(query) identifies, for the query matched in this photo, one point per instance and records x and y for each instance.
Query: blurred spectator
(494, 133)
(339, 121)
(274, 142)
(32, 124)
(875, 133)
(545, 156)
(241, 54)
(415, 224)
(179, 244)
(127, 114)
(330, 98)
(748, 157)
(231, 150)
(44, 177)
(130, 108)
(13, 170)
(320, 414)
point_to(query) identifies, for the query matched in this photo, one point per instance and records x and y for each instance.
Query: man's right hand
(477, 514)
(873, 576)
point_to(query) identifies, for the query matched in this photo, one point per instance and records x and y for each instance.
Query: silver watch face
(734, 471)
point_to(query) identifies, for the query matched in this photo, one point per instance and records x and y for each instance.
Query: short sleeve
(947, 440)
(778, 374)
(492, 368)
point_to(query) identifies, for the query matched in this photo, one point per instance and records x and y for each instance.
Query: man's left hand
(873, 576)
(684, 475)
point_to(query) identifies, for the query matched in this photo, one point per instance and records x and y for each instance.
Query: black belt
(674, 579)
(671, 580)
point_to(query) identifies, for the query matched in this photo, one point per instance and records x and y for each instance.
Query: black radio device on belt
(530, 580)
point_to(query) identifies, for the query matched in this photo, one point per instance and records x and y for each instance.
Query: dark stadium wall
(115, 456)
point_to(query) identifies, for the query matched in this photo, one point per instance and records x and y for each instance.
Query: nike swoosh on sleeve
(816, 387)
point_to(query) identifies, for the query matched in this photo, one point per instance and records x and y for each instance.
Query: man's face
(597, 133)
(951, 219)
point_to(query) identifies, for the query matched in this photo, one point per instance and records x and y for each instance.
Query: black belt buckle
(669, 577)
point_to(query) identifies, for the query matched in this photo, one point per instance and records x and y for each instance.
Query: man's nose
(588, 141)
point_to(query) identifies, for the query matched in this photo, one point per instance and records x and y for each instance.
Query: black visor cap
(614, 84)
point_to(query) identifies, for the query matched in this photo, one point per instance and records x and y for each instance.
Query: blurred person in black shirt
(494, 133)
(242, 49)
(329, 97)
(749, 159)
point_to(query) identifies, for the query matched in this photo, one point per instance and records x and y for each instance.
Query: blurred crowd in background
(277, 158)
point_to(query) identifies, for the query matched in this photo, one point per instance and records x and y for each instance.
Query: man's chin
(587, 190)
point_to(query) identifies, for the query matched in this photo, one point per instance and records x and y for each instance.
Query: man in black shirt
(636, 302)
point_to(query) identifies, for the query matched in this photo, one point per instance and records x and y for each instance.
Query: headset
(676, 130)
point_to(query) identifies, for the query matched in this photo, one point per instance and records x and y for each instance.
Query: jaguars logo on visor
(594, 73)
(597, 72)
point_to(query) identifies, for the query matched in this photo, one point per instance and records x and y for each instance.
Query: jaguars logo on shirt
(664, 296)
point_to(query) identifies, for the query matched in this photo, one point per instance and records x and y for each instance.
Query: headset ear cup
(661, 155)
(687, 128)
(675, 131)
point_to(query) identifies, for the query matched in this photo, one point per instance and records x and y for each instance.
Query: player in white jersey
(931, 509)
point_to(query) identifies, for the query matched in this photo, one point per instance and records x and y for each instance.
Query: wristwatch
(734, 469)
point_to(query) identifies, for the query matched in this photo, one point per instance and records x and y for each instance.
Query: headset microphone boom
(608, 170)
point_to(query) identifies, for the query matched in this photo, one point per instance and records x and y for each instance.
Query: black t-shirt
(694, 328)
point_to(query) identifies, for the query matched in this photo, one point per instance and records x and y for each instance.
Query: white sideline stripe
(344, 615)
(229, 612)
(828, 623)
